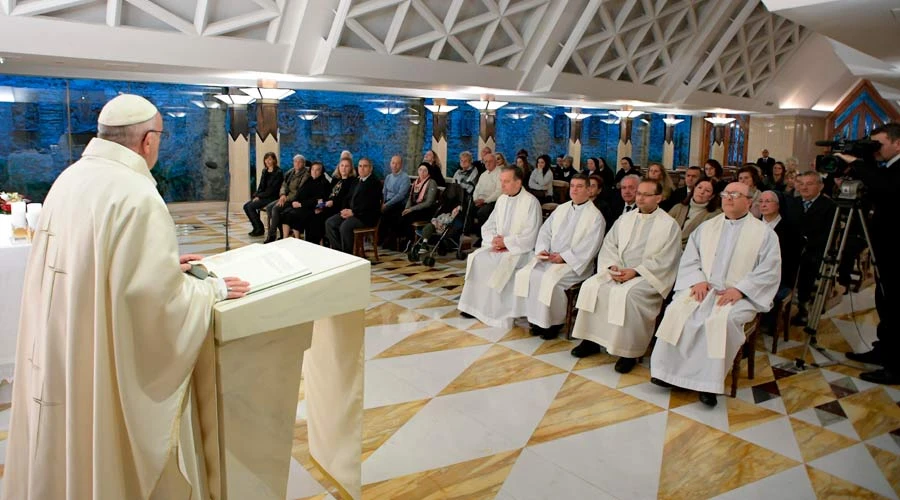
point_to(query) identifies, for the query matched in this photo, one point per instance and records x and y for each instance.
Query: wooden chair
(561, 191)
(784, 310)
(751, 330)
(359, 240)
(571, 312)
(548, 208)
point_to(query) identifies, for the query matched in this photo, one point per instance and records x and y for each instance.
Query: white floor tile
(379, 338)
(624, 459)
(562, 359)
(490, 333)
(746, 394)
(844, 428)
(893, 393)
(604, 374)
(716, 418)
(650, 393)
(436, 312)
(536, 478)
(776, 435)
(461, 323)
(427, 374)
(774, 404)
(390, 294)
(300, 483)
(525, 346)
(792, 483)
(859, 335)
(413, 303)
(831, 376)
(886, 442)
(373, 305)
(856, 465)
(459, 427)
(809, 416)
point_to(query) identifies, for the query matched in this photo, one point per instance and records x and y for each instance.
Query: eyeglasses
(162, 134)
(646, 194)
(731, 195)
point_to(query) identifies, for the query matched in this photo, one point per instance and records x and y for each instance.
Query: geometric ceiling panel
(245, 19)
(481, 32)
(638, 41)
(758, 49)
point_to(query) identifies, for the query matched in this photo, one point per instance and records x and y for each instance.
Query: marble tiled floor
(455, 409)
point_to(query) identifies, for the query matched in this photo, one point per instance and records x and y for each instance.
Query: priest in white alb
(563, 256)
(508, 235)
(110, 331)
(636, 269)
(729, 273)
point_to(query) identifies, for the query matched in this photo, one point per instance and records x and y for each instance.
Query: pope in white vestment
(110, 330)
(563, 256)
(730, 272)
(636, 269)
(508, 235)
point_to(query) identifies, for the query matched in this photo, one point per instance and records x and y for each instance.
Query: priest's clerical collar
(735, 220)
(517, 193)
(648, 213)
(580, 204)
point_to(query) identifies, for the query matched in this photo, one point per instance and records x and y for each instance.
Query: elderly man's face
(299, 163)
(364, 168)
(807, 186)
(396, 164)
(691, 177)
(628, 189)
(736, 200)
(490, 162)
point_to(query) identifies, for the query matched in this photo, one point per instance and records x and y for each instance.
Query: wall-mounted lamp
(487, 104)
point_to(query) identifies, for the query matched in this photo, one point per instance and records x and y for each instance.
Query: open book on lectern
(263, 266)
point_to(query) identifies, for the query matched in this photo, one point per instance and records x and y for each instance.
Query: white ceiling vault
(693, 55)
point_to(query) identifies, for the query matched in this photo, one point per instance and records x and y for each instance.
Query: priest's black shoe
(709, 399)
(882, 376)
(466, 315)
(872, 357)
(625, 365)
(661, 383)
(586, 348)
(551, 333)
(536, 330)
(256, 232)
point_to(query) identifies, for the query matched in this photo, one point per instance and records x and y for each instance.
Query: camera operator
(883, 185)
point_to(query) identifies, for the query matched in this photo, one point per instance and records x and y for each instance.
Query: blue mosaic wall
(50, 121)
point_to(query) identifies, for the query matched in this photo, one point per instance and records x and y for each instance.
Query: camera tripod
(845, 215)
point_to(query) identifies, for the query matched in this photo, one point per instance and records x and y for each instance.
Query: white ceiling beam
(341, 15)
(362, 8)
(545, 32)
(113, 13)
(165, 16)
(201, 15)
(416, 42)
(485, 40)
(269, 5)
(529, 36)
(239, 22)
(367, 37)
(587, 16)
(7, 6)
(680, 93)
(396, 24)
(39, 7)
(461, 50)
(449, 19)
(500, 54)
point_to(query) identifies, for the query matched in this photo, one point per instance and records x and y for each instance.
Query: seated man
(635, 272)
(362, 209)
(564, 256)
(729, 273)
(486, 192)
(509, 235)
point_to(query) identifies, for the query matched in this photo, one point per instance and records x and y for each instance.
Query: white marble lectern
(260, 343)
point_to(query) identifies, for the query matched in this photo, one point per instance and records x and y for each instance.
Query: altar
(13, 257)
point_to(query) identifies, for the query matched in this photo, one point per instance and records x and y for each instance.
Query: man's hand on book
(236, 288)
(185, 259)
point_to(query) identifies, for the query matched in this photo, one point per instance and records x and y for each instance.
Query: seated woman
(449, 216)
(422, 197)
(778, 177)
(434, 168)
(713, 169)
(749, 176)
(656, 172)
(341, 184)
(626, 167)
(603, 170)
(540, 184)
(522, 162)
(310, 196)
(700, 207)
(772, 207)
(267, 192)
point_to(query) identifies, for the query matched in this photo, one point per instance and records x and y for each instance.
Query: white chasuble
(109, 335)
(699, 340)
(488, 290)
(621, 316)
(575, 232)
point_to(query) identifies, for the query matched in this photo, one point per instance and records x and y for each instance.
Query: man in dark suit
(766, 164)
(691, 177)
(623, 200)
(362, 209)
(883, 184)
(816, 217)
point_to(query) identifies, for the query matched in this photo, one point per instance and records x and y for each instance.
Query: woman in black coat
(310, 195)
(341, 184)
